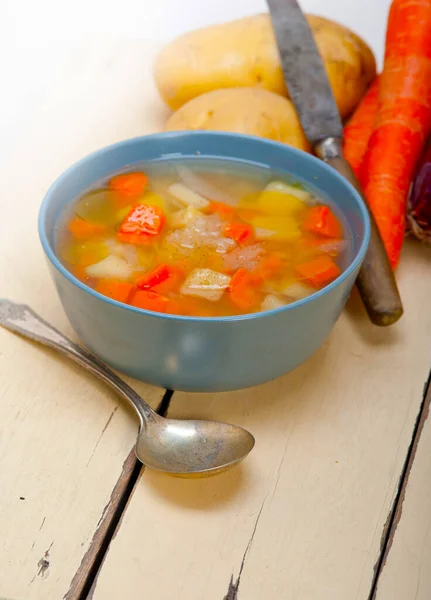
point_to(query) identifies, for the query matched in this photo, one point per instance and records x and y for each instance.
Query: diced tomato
(142, 222)
(242, 289)
(319, 271)
(117, 290)
(163, 279)
(243, 233)
(82, 229)
(224, 210)
(322, 221)
(130, 185)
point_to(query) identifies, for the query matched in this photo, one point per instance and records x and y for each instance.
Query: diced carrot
(224, 210)
(117, 290)
(322, 221)
(150, 300)
(143, 221)
(163, 279)
(243, 233)
(130, 185)
(135, 239)
(80, 272)
(318, 271)
(242, 289)
(269, 266)
(82, 229)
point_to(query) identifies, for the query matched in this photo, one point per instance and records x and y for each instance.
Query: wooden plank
(405, 571)
(65, 440)
(303, 516)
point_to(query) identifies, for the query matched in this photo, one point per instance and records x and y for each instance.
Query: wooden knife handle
(376, 280)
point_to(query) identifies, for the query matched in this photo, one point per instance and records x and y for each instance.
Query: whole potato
(244, 53)
(253, 111)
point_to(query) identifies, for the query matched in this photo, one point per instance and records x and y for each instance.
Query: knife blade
(312, 96)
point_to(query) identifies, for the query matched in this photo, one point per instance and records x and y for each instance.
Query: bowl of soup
(203, 261)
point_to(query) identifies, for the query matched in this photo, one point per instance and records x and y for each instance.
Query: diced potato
(112, 267)
(205, 283)
(291, 190)
(184, 217)
(137, 257)
(187, 196)
(264, 234)
(297, 291)
(277, 198)
(152, 199)
(282, 228)
(115, 247)
(270, 302)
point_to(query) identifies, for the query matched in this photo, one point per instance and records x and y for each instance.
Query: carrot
(150, 301)
(129, 184)
(358, 130)
(117, 290)
(320, 220)
(80, 272)
(403, 120)
(268, 267)
(142, 222)
(243, 233)
(81, 229)
(242, 289)
(319, 271)
(163, 279)
(224, 210)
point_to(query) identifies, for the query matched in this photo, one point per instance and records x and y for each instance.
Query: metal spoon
(174, 446)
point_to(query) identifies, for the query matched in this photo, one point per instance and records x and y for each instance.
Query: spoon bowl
(192, 447)
(179, 447)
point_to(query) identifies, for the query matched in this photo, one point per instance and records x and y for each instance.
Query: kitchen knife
(311, 94)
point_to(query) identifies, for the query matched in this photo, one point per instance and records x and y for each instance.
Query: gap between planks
(84, 577)
(395, 513)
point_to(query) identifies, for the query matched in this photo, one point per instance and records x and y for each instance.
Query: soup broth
(200, 237)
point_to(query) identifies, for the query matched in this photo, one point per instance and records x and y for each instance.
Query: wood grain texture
(406, 566)
(303, 516)
(64, 437)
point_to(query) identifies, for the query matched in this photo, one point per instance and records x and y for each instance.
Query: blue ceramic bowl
(203, 354)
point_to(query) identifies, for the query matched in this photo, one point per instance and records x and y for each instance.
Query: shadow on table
(207, 493)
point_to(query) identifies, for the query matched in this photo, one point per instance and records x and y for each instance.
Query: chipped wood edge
(395, 514)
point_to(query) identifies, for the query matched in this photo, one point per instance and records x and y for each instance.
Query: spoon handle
(21, 319)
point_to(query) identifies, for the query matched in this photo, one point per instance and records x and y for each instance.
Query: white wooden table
(333, 503)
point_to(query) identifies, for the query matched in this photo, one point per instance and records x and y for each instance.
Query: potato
(253, 111)
(244, 53)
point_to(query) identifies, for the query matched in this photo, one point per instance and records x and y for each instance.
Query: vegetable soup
(201, 237)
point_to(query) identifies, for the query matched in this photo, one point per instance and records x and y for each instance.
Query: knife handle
(376, 280)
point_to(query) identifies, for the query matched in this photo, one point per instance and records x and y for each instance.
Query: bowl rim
(56, 185)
